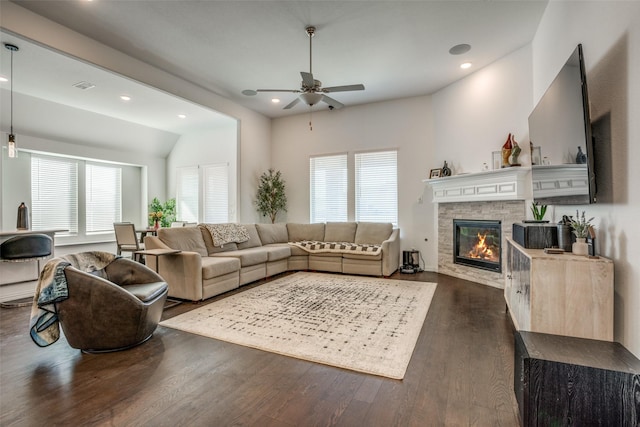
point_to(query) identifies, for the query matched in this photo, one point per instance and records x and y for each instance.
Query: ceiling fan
(311, 90)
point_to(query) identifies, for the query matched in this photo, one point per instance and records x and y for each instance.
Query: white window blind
(329, 186)
(216, 193)
(54, 193)
(187, 190)
(377, 186)
(103, 197)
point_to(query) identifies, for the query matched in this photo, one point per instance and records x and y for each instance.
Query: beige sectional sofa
(202, 270)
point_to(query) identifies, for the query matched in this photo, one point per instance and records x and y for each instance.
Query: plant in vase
(580, 227)
(155, 218)
(166, 210)
(538, 211)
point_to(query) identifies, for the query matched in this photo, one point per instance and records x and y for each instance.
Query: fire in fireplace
(477, 244)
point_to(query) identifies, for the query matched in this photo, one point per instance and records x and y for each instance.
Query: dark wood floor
(461, 374)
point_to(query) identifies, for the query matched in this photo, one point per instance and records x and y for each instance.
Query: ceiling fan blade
(278, 90)
(307, 79)
(332, 102)
(291, 104)
(343, 88)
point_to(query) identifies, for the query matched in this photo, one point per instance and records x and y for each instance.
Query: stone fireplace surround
(508, 211)
(490, 195)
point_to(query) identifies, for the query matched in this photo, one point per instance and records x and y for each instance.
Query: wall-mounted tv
(560, 125)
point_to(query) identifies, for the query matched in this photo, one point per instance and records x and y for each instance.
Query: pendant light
(11, 146)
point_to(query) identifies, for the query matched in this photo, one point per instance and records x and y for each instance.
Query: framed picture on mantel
(435, 173)
(496, 159)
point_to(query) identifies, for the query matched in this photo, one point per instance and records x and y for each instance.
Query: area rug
(360, 323)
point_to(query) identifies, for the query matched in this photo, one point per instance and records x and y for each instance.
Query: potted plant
(580, 227)
(162, 214)
(271, 197)
(538, 211)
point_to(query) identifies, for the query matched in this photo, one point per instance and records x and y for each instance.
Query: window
(82, 196)
(372, 181)
(216, 193)
(376, 186)
(212, 201)
(103, 198)
(187, 194)
(54, 193)
(329, 185)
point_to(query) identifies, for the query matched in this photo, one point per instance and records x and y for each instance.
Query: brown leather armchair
(111, 309)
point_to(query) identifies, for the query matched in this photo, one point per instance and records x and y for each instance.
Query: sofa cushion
(277, 251)
(300, 232)
(373, 232)
(340, 232)
(188, 239)
(247, 257)
(272, 233)
(298, 251)
(208, 242)
(218, 266)
(254, 238)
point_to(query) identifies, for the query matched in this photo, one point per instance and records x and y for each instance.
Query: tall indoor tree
(271, 197)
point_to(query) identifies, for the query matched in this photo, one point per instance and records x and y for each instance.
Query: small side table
(158, 253)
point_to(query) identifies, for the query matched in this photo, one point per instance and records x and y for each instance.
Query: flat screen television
(562, 170)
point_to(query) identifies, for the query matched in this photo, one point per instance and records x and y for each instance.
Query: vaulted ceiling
(395, 48)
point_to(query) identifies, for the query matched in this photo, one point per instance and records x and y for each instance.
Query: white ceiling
(395, 48)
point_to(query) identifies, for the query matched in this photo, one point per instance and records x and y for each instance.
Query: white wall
(404, 124)
(204, 148)
(610, 36)
(474, 116)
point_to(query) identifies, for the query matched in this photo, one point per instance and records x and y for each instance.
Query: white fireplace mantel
(502, 184)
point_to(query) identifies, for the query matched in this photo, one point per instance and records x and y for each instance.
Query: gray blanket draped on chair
(52, 288)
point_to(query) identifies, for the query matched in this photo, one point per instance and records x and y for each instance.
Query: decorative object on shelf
(23, 217)
(271, 197)
(435, 173)
(515, 152)
(166, 210)
(506, 152)
(581, 158)
(496, 159)
(485, 167)
(581, 228)
(546, 161)
(12, 149)
(538, 211)
(564, 233)
(446, 171)
(536, 156)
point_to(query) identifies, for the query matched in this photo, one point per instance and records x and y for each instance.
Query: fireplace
(477, 244)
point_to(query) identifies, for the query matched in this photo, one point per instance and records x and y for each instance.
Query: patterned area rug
(360, 323)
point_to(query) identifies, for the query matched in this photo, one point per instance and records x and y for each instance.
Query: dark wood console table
(561, 381)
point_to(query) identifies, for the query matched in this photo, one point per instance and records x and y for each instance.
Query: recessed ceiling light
(3, 79)
(275, 100)
(459, 49)
(125, 97)
(182, 116)
(465, 65)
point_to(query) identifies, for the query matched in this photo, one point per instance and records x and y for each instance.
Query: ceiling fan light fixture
(311, 98)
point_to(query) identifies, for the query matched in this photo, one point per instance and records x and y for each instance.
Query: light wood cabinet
(562, 294)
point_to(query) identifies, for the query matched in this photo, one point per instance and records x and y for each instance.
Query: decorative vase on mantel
(580, 246)
(157, 224)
